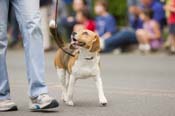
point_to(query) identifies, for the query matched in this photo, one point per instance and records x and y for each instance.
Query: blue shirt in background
(159, 15)
(106, 24)
(136, 23)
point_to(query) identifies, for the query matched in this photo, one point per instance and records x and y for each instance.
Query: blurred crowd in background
(150, 27)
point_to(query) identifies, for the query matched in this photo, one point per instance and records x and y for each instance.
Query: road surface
(134, 85)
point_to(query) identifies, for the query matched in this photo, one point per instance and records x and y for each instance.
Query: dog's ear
(95, 45)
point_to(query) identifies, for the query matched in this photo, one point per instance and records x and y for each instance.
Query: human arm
(110, 28)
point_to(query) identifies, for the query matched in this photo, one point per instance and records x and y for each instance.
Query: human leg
(172, 38)
(28, 17)
(143, 39)
(4, 83)
(6, 104)
(119, 39)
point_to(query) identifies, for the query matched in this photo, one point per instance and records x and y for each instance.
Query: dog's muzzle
(75, 43)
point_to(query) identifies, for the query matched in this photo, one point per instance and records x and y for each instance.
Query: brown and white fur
(85, 46)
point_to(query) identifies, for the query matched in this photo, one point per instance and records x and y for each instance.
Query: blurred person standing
(105, 22)
(44, 9)
(170, 8)
(28, 16)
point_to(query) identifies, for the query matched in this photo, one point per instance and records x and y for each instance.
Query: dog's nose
(73, 36)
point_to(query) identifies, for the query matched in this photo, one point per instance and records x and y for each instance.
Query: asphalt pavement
(134, 85)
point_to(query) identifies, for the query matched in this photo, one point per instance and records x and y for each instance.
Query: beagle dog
(85, 46)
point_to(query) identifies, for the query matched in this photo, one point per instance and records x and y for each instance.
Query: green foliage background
(119, 9)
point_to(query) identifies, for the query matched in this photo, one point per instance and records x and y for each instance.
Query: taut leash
(54, 31)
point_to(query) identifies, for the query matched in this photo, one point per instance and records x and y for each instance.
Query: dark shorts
(172, 29)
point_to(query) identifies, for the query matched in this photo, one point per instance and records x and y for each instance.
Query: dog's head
(85, 39)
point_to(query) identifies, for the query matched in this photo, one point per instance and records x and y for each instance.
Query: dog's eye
(85, 33)
(82, 43)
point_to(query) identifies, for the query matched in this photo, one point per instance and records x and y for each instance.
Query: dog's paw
(103, 101)
(70, 103)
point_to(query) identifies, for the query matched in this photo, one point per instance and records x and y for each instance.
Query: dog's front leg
(62, 77)
(99, 84)
(69, 100)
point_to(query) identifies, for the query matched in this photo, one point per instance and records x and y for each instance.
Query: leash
(57, 39)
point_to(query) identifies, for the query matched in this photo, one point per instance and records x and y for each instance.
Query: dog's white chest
(84, 68)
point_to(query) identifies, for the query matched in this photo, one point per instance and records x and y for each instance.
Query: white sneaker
(144, 48)
(43, 101)
(147, 47)
(7, 105)
(141, 47)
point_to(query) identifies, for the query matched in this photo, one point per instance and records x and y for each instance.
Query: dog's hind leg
(62, 77)
(99, 84)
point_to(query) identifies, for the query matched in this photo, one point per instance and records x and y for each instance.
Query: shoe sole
(53, 104)
(14, 108)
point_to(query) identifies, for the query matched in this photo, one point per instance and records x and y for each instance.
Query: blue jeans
(14, 25)
(121, 38)
(28, 17)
